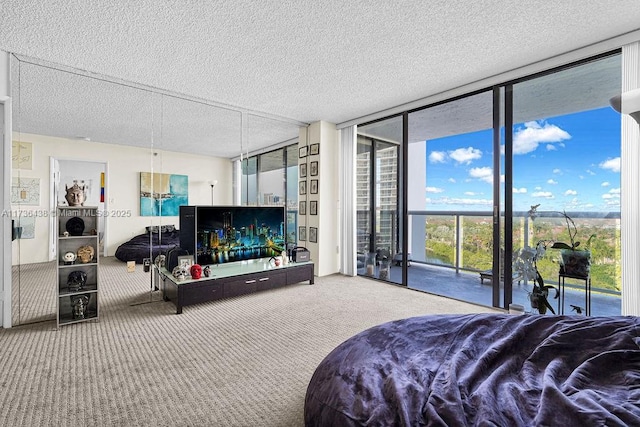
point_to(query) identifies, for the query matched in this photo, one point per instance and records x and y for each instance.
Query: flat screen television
(223, 234)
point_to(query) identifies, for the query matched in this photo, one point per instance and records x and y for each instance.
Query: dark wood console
(230, 281)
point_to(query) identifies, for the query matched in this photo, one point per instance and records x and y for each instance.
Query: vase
(371, 264)
(575, 263)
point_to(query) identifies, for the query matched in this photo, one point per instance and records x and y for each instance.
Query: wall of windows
(476, 164)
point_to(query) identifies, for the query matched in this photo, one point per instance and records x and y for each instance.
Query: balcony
(458, 246)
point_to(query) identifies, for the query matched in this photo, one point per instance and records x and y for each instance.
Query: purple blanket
(482, 369)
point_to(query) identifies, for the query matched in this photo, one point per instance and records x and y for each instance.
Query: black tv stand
(229, 281)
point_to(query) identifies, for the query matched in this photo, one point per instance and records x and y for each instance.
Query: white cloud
(552, 182)
(469, 193)
(551, 147)
(460, 201)
(543, 194)
(484, 174)
(434, 190)
(437, 157)
(465, 155)
(605, 184)
(614, 193)
(452, 180)
(527, 139)
(519, 190)
(590, 172)
(611, 164)
(557, 171)
(570, 193)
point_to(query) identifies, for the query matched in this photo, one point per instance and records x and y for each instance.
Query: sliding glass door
(379, 235)
(451, 197)
(566, 159)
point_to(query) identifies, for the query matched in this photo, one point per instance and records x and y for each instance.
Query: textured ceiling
(276, 64)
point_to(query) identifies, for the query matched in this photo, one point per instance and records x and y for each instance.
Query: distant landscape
(477, 248)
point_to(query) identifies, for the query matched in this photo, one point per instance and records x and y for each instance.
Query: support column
(5, 184)
(320, 224)
(630, 176)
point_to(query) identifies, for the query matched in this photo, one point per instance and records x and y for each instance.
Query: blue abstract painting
(162, 194)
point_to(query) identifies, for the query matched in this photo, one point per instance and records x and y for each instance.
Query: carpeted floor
(244, 361)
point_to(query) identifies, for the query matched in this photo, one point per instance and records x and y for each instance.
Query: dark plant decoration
(528, 264)
(574, 261)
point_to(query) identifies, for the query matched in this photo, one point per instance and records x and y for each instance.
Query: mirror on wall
(127, 148)
(66, 130)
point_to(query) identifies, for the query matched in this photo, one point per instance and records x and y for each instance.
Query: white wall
(122, 186)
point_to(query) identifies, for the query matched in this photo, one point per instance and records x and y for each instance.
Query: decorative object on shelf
(314, 149)
(75, 226)
(160, 260)
(313, 189)
(371, 264)
(313, 168)
(79, 305)
(76, 281)
(285, 257)
(69, 258)
(313, 207)
(180, 272)
(86, 253)
(66, 233)
(186, 261)
(385, 268)
(303, 152)
(207, 271)
(196, 271)
(303, 170)
(75, 194)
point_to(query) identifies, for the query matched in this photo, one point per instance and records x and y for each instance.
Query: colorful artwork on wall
(162, 194)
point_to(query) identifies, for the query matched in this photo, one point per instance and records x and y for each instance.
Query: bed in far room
(154, 241)
(482, 369)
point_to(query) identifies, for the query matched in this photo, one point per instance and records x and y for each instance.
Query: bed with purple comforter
(156, 241)
(482, 369)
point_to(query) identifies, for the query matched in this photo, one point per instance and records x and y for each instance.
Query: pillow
(154, 229)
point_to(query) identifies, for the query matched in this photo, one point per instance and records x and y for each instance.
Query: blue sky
(569, 162)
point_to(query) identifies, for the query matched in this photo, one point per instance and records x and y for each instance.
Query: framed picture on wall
(313, 189)
(313, 169)
(302, 207)
(303, 170)
(302, 233)
(303, 152)
(303, 188)
(313, 234)
(313, 207)
(314, 149)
